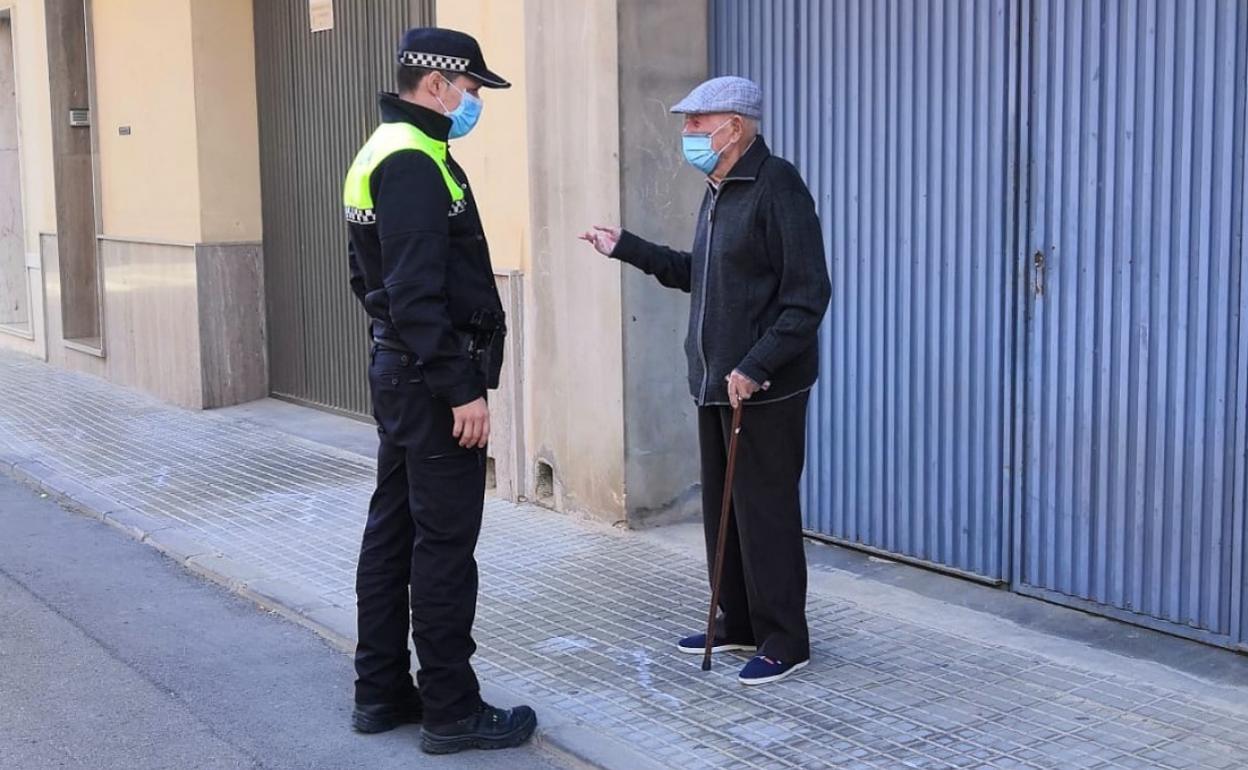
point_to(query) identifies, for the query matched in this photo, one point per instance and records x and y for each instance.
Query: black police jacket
(758, 278)
(423, 271)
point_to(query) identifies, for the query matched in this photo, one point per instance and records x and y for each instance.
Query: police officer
(421, 268)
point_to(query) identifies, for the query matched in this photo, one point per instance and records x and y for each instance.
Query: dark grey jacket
(758, 278)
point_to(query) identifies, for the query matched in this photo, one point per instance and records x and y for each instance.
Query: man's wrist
(463, 395)
(750, 371)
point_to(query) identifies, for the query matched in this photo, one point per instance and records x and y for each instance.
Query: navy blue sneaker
(765, 670)
(696, 645)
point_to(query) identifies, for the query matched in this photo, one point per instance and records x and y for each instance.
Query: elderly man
(760, 289)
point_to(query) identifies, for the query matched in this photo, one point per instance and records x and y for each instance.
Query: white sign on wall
(321, 15)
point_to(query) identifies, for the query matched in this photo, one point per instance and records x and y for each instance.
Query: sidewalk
(580, 619)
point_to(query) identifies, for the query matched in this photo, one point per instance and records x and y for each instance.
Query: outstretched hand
(603, 239)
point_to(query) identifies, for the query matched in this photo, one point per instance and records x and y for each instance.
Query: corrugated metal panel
(1239, 576)
(317, 95)
(898, 115)
(1135, 407)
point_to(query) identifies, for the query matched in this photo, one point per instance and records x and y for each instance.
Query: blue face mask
(464, 117)
(698, 150)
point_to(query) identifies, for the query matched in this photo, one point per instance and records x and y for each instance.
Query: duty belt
(385, 344)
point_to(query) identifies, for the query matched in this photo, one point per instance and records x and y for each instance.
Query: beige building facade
(139, 185)
(168, 222)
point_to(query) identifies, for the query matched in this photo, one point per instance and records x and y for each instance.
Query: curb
(559, 733)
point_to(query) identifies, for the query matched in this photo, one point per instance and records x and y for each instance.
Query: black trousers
(423, 525)
(763, 594)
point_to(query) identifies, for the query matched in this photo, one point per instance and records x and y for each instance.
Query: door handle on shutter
(1038, 276)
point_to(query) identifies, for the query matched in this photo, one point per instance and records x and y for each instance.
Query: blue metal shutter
(1135, 403)
(899, 116)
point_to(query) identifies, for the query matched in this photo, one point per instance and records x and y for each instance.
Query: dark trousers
(763, 594)
(423, 524)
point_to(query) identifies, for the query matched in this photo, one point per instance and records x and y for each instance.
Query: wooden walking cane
(717, 573)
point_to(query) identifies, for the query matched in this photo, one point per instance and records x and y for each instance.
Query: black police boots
(383, 717)
(489, 728)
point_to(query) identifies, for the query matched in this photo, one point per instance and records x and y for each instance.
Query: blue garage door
(899, 116)
(1134, 408)
(1035, 366)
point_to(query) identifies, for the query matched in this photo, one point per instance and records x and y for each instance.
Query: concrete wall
(585, 138)
(496, 154)
(227, 126)
(144, 78)
(180, 74)
(496, 157)
(544, 165)
(228, 257)
(233, 359)
(663, 55)
(575, 368)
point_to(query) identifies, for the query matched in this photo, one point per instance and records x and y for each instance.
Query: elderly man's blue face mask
(699, 151)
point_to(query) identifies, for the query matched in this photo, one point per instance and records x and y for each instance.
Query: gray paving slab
(582, 618)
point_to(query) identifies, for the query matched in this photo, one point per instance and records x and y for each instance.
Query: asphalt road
(112, 656)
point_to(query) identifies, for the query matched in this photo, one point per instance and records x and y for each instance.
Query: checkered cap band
(433, 61)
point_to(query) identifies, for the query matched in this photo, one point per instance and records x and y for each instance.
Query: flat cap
(726, 94)
(447, 50)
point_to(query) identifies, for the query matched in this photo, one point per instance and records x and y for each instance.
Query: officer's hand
(741, 388)
(604, 239)
(472, 424)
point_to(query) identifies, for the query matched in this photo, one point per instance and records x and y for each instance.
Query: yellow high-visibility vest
(389, 138)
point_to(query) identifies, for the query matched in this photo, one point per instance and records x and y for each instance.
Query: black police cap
(447, 50)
